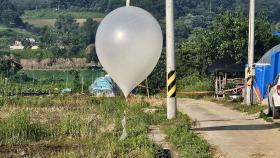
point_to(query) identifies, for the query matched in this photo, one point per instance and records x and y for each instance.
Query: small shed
(229, 76)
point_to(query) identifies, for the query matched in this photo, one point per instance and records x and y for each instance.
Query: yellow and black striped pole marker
(249, 77)
(171, 84)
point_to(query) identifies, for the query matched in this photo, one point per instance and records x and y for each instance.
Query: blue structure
(266, 71)
(276, 34)
(103, 86)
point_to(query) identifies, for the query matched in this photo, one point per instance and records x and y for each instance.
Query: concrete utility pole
(251, 43)
(210, 7)
(170, 61)
(127, 3)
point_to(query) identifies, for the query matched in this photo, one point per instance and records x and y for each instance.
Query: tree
(9, 66)
(67, 37)
(66, 24)
(227, 37)
(9, 15)
(90, 28)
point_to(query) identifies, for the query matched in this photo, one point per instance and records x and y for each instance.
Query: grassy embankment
(83, 126)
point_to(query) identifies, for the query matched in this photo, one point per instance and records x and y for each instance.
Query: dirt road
(233, 134)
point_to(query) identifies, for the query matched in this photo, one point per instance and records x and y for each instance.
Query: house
(17, 46)
(33, 43)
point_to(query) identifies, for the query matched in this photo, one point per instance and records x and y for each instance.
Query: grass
(18, 129)
(72, 125)
(84, 126)
(194, 83)
(54, 14)
(238, 105)
(188, 143)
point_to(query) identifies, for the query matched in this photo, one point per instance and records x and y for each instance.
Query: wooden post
(82, 85)
(147, 86)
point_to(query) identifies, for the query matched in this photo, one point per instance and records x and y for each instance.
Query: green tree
(227, 37)
(9, 66)
(9, 15)
(67, 37)
(90, 28)
(66, 24)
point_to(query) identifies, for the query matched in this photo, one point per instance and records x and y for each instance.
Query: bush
(195, 83)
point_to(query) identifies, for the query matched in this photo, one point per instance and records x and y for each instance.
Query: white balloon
(129, 44)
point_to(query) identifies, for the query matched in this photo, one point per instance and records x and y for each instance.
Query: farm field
(43, 81)
(47, 17)
(84, 126)
(54, 14)
(50, 22)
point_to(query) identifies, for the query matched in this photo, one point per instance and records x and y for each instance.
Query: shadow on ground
(239, 127)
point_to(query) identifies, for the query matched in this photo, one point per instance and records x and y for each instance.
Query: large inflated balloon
(129, 44)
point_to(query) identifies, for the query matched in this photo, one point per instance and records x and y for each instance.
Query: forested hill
(206, 30)
(182, 7)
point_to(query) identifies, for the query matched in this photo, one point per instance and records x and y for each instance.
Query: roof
(267, 56)
(226, 64)
(276, 34)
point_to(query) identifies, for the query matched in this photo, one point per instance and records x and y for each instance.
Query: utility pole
(127, 3)
(210, 8)
(251, 43)
(170, 61)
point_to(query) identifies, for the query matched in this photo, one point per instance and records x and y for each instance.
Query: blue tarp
(267, 70)
(276, 34)
(103, 86)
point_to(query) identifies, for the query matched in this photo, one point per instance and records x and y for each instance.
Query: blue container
(266, 71)
(262, 80)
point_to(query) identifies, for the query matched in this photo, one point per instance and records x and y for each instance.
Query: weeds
(188, 143)
(18, 129)
(92, 127)
(72, 125)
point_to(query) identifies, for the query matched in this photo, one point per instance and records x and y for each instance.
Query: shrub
(195, 83)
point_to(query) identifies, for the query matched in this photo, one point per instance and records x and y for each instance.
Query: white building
(17, 46)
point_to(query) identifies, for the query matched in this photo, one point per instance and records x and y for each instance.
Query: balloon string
(124, 121)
